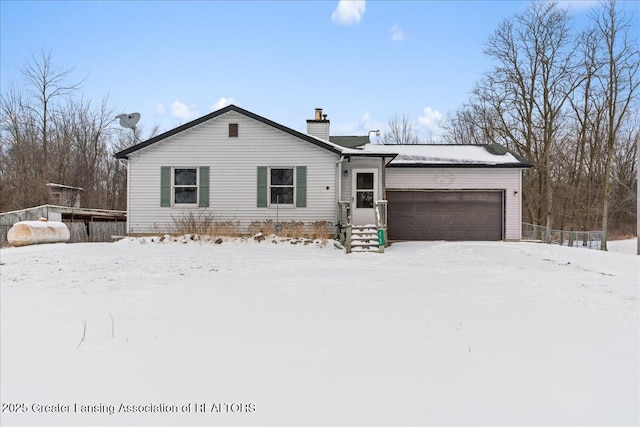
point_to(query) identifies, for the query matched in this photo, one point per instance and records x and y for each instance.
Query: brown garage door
(445, 215)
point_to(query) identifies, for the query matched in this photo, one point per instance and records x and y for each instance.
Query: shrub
(265, 227)
(322, 230)
(297, 229)
(203, 223)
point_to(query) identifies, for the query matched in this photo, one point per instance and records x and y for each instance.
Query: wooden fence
(97, 231)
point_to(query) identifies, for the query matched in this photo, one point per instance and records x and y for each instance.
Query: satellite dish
(129, 121)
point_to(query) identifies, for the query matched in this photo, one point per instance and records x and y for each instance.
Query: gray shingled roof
(350, 141)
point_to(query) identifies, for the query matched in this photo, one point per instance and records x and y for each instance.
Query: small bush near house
(265, 227)
(292, 229)
(322, 230)
(296, 229)
(225, 228)
(203, 223)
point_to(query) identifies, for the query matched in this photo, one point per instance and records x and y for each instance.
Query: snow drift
(276, 332)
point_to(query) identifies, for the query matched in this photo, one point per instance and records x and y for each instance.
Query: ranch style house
(242, 168)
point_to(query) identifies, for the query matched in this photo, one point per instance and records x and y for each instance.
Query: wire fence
(577, 239)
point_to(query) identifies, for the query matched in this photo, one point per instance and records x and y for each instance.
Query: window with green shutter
(184, 186)
(203, 196)
(282, 186)
(262, 186)
(301, 186)
(165, 186)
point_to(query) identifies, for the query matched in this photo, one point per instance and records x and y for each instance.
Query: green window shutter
(301, 186)
(262, 186)
(203, 201)
(165, 186)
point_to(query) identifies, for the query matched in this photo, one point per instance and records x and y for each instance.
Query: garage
(445, 215)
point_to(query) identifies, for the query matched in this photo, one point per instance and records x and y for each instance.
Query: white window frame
(174, 186)
(291, 205)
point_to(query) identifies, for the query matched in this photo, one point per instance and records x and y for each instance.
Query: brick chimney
(319, 125)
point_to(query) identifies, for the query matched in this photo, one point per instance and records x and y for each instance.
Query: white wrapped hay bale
(25, 233)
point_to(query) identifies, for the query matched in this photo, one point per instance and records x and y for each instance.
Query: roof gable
(327, 145)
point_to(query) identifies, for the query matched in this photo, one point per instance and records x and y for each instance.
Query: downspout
(383, 170)
(339, 180)
(128, 193)
(338, 194)
(520, 215)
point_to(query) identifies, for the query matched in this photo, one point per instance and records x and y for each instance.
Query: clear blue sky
(175, 61)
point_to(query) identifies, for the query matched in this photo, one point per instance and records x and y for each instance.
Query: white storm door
(364, 190)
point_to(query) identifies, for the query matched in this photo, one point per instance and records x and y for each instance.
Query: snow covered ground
(267, 333)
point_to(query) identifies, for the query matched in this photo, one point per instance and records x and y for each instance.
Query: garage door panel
(445, 215)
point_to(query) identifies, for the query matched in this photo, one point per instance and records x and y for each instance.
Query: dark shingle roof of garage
(350, 141)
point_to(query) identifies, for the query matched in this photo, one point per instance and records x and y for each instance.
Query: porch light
(346, 172)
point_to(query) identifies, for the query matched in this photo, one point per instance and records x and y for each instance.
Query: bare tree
(400, 131)
(18, 151)
(527, 91)
(551, 98)
(582, 150)
(619, 79)
(48, 135)
(47, 83)
(474, 123)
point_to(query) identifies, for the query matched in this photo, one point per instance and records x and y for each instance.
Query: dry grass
(265, 227)
(621, 236)
(322, 230)
(295, 229)
(225, 228)
(203, 223)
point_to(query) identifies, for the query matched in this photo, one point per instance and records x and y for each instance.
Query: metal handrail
(380, 209)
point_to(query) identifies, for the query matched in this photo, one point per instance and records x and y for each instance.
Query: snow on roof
(437, 154)
(68, 187)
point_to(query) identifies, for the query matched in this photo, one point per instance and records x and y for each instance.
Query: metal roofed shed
(65, 195)
(85, 225)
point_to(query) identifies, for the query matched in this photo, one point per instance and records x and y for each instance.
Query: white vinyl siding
(507, 180)
(233, 164)
(360, 163)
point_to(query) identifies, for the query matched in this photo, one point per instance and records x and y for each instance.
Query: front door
(364, 190)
